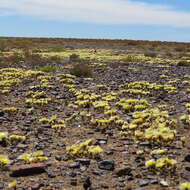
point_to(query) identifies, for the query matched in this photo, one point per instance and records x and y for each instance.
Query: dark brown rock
(123, 171)
(28, 169)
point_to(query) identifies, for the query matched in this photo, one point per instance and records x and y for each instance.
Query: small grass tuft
(47, 68)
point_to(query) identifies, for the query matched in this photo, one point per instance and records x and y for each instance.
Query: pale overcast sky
(166, 20)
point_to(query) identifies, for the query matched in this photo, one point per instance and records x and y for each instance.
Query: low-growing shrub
(2, 46)
(183, 63)
(47, 68)
(16, 58)
(132, 43)
(150, 54)
(130, 59)
(180, 49)
(81, 70)
(33, 59)
(74, 58)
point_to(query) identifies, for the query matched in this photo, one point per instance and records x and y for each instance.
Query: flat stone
(74, 165)
(28, 169)
(22, 146)
(84, 161)
(72, 174)
(37, 186)
(144, 144)
(119, 149)
(154, 181)
(97, 172)
(101, 141)
(143, 183)
(123, 171)
(106, 165)
(164, 183)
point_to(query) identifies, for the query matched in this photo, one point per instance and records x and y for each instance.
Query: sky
(165, 20)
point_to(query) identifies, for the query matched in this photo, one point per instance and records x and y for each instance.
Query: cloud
(122, 12)
(6, 12)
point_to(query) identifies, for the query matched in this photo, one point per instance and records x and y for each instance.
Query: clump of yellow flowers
(12, 139)
(133, 104)
(3, 136)
(158, 151)
(185, 119)
(39, 101)
(10, 109)
(54, 121)
(12, 184)
(164, 164)
(152, 125)
(10, 77)
(184, 186)
(33, 157)
(84, 149)
(4, 160)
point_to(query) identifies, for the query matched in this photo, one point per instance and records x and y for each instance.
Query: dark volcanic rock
(154, 181)
(1, 113)
(87, 183)
(187, 168)
(74, 181)
(84, 161)
(187, 158)
(123, 171)
(58, 157)
(106, 165)
(97, 172)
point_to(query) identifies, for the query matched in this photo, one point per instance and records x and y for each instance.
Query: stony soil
(125, 169)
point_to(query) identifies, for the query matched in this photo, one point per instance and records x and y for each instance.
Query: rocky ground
(48, 112)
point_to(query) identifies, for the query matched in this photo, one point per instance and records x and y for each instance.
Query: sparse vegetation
(73, 108)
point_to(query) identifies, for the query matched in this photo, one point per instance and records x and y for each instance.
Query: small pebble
(164, 183)
(143, 183)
